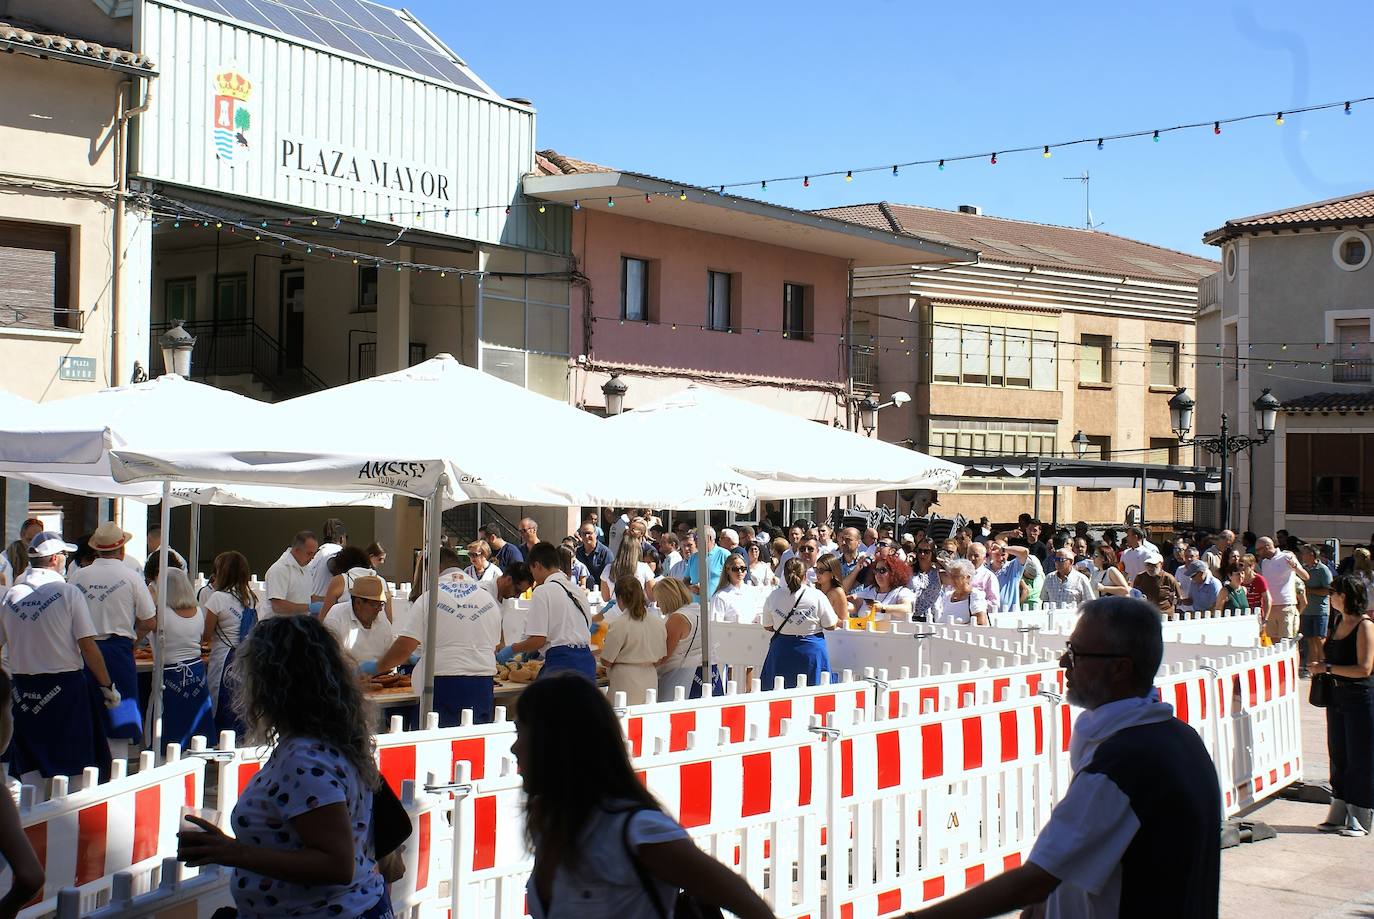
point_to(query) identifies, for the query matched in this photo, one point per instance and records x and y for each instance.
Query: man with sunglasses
(1139, 831)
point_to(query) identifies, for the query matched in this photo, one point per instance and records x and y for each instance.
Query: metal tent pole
(1144, 485)
(432, 594)
(152, 729)
(1036, 512)
(193, 558)
(704, 599)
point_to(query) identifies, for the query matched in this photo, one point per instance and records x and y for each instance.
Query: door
(291, 331)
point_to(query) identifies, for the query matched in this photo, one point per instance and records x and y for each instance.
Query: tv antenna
(1086, 179)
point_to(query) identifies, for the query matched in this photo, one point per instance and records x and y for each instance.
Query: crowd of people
(236, 655)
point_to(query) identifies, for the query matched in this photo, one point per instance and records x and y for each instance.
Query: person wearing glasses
(798, 615)
(807, 553)
(888, 597)
(961, 603)
(1137, 832)
(1107, 578)
(925, 582)
(592, 553)
(729, 600)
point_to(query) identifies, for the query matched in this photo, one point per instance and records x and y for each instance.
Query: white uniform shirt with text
(114, 595)
(41, 620)
(467, 629)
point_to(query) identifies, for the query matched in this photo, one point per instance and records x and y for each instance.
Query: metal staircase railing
(236, 346)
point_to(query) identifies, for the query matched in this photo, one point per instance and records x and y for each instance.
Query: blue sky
(715, 92)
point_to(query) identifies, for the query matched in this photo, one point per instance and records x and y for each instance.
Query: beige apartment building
(74, 256)
(1053, 331)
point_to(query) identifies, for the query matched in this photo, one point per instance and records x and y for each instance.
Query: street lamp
(176, 344)
(1080, 444)
(869, 407)
(614, 390)
(1224, 444)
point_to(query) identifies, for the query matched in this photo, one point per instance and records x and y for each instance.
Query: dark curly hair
(288, 659)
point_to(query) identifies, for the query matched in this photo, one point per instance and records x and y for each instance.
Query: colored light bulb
(1099, 143)
(993, 161)
(849, 176)
(1046, 154)
(1216, 127)
(806, 182)
(942, 165)
(1156, 137)
(1278, 119)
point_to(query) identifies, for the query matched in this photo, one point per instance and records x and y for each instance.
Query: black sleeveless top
(1345, 652)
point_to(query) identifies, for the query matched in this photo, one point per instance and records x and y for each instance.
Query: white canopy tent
(424, 449)
(64, 445)
(784, 455)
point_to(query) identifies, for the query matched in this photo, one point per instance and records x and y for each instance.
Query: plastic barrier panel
(937, 802)
(84, 837)
(662, 727)
(1260, 718)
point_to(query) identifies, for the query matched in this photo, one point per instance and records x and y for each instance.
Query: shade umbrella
(787, 456)
(446, 433)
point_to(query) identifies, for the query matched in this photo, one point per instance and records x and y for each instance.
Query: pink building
(677, 285)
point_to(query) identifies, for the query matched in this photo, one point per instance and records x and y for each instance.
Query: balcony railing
(1352, 371)
(1337, 505)
(236, 346)
(1209, 290)
(47, 317)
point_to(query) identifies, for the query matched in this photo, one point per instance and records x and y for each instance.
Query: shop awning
(1092, 473)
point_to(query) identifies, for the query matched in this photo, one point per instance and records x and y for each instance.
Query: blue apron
(717, 688)
(186, 704)
(57, 726)
(124, 722)
(452, 694)
(226, 719)
(791, 656)
(566, 657)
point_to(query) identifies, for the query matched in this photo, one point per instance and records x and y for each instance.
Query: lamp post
(614, 390)
(869, 406)
(176, 344)
(1080, 444)
(1224, 444)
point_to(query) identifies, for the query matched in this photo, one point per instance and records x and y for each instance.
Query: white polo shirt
(562, 620)
(41, 620)
(1133, 561)
(114, 595)
(467, 630)
(287, 580)
(360, 642)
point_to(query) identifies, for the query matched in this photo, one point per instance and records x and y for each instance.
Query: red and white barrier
(663, 727)
(84, 837)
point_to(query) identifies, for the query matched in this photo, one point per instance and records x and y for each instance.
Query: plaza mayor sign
(326, 162)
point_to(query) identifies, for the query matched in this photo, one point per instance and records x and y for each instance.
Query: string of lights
(397, 215)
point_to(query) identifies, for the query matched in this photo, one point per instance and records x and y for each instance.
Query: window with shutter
(35, 269)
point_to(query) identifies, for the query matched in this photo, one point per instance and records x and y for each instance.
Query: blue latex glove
(505, 654)
(592, 627)
(316, 606)
(368, 667)
(414, 659)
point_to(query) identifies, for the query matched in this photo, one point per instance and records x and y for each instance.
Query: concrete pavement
(1302, 873)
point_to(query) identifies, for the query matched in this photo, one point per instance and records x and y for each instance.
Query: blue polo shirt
(596, 560)
(1009, 583)
(715, 564)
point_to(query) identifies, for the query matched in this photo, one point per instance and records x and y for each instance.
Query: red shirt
(1255, 591)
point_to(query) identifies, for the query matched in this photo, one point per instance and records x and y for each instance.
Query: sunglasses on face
(739, 568)
(882, 570)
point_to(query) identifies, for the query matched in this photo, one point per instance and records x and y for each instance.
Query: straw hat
(369, 587)
(108, 537)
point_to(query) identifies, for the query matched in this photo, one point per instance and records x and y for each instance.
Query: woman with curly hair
(302, 843)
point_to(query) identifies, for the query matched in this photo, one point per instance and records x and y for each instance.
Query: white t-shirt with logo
(181, 635)
(467, 630)
(805, 612)
(41, 620)
(114, 595)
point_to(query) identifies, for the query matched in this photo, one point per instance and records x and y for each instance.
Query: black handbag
(685, 906)
(1320, 693)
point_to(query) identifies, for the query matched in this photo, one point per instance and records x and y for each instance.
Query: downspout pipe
(121, 191)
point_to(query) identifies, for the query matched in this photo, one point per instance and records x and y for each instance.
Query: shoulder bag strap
(778, 631)
(581, 611)
(644, 880)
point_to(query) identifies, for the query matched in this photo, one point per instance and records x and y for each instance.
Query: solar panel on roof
(368, 30)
